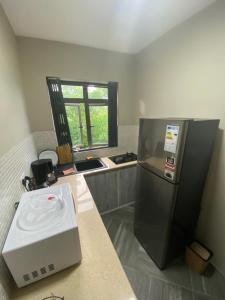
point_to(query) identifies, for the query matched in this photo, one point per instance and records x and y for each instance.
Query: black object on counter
(123, 158)
(43, 171)
(60, 169)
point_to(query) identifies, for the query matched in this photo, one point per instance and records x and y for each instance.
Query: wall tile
(127, 142)
(13, 165)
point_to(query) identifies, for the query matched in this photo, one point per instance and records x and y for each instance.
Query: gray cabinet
(113, 188)
(103, 187)
(126, 182)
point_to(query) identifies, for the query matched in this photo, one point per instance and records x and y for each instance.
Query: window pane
(77, 125)
(97, 92)
(71, 91)
(99, 123)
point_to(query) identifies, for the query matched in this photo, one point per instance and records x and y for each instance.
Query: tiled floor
(177, 282)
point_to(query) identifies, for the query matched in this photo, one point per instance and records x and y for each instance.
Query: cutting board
(65, 154)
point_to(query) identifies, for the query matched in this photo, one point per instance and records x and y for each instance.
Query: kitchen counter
(110, 166)
(100, 275)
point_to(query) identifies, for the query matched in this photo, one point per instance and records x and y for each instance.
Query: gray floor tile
(176, 281)
(114, 228)
(140, 283)
(132, 254)
(107, 220)
(177, 273)
(211, 284)
(197, 282)
(135, 256)
(215, 285)
(198, 296)
(124, 214)
(161, 290)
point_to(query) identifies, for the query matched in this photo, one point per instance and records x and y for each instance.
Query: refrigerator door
(153, 214)
(161, 145)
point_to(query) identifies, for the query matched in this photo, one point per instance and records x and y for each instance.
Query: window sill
(91, 149)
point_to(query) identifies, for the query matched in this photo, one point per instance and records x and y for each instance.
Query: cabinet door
(103, 187)
(127, 185)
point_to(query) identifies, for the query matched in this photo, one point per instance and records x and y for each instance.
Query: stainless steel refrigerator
(173, 161)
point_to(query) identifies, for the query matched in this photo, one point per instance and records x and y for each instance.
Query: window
(87, 116)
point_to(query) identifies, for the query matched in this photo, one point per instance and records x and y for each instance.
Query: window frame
(92, 102)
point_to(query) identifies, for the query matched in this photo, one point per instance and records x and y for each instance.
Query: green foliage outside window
(97, 92)
(77, 118)
(99, 121)
(78, 135)
(70, 91)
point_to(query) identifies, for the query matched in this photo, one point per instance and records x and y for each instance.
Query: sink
(123, 158)
(89, 164)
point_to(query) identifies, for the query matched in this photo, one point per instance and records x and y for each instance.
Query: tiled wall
(127, 141)
(13, 165)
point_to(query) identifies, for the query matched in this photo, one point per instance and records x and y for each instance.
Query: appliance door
(161, 145)
(153, 214)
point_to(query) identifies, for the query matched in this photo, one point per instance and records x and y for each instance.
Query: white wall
(183, 75)
(41, 58)
(16, 146)
(13, 118)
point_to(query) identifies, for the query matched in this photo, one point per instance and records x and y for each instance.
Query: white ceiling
(120, 25)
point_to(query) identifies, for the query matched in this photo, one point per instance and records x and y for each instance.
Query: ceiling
(119, 25)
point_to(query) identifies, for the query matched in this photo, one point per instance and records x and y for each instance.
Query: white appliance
(43, 237)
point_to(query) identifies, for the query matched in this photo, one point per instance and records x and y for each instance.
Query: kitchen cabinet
(112, 189)
(126, 182)
(103, 187)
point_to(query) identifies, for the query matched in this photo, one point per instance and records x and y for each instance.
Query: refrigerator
(173, 161)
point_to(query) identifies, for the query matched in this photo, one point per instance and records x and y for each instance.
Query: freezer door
(153, 214)
(161, 145)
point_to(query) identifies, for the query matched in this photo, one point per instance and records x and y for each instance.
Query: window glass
(70, 91)
(77, 125)
(99, 124)
(89, 113)
(97, 93)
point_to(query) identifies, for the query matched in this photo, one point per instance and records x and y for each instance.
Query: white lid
(41, 214)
